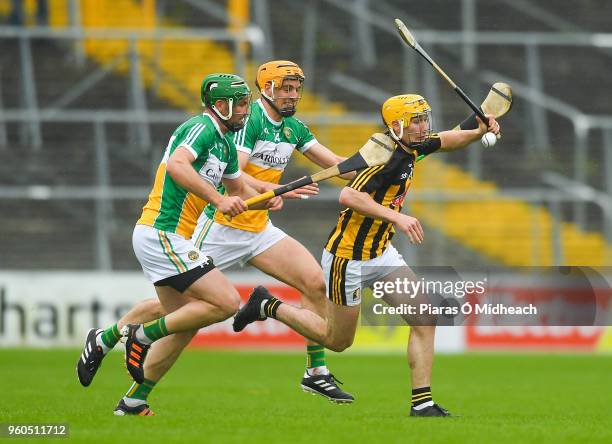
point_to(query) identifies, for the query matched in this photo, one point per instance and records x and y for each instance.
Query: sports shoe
(135, 352)
(90, 359)
(432, 410)
(325, 385)
(123, 409)
(251, 311)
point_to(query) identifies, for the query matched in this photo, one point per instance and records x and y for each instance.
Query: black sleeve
(430, 146)
(470, 122)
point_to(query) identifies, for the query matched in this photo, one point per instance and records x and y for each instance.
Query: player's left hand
(303, 193)
(275, 204)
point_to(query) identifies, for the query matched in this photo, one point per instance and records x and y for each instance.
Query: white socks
(322, 370)
(105, 348)
(142, 337)
(133, 402)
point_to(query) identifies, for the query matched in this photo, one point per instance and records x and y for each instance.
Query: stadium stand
(478, 230)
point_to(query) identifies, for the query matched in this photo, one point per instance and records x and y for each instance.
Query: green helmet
(228, 87)
(223, 87)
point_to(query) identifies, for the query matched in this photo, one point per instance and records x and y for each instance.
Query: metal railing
(105, 195)
(140, 117)
(468, 40)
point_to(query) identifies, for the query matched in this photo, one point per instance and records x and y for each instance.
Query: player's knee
(314, 285)
(234, 304)
(339, 345)
(230, 304)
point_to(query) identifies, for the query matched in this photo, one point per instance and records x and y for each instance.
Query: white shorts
(228, 246)
(343, 277)
(162, 254)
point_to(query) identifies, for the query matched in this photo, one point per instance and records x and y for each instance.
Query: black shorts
(183, 281)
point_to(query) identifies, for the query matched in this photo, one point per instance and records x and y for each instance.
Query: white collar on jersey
(214, 122)
(270, 119)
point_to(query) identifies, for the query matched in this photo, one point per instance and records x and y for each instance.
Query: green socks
(155, 330)
(315, 357)
(109, 338)
(140, 391)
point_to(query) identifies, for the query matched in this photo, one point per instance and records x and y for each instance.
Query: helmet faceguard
(275, 73)
(409, 111)
(229, 88)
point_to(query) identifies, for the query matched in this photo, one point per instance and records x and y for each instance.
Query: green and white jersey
(171, 207)
(269, 144)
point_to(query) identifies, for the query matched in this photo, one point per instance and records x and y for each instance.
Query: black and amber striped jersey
(362, 238)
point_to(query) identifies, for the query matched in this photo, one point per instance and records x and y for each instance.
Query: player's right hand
(491, 126)
(232, 206)
(411, 227)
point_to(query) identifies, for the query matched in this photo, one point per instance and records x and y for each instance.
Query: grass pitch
(250, 397)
